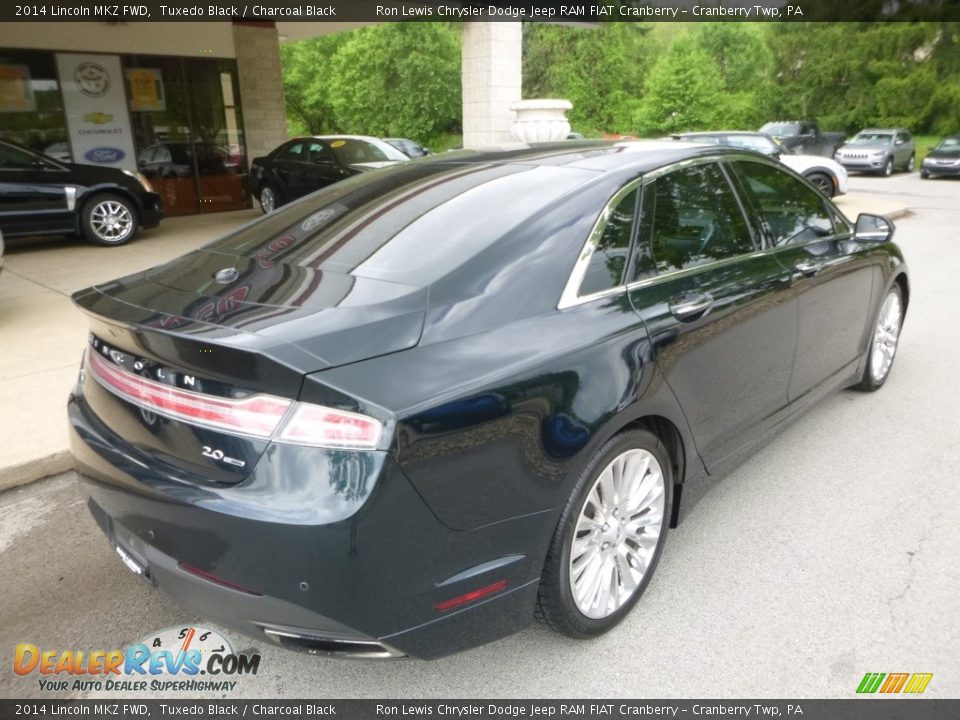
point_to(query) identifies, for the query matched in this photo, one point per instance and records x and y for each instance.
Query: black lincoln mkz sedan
(406, 414)
(41, 196)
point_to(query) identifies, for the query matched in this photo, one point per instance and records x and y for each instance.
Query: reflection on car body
(468, 417)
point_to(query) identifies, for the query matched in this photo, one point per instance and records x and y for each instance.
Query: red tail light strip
(470, 596)
(256, 416)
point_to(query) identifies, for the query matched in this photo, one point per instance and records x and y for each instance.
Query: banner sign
(145, 86)
(96, 107)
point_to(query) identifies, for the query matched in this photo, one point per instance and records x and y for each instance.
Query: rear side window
(319, 154)
(608, 263)
(792, 212)
(696, 219)
(294, 152)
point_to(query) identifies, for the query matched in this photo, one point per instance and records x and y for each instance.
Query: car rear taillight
(260, 416)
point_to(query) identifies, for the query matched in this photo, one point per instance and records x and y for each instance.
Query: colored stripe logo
(907, 683)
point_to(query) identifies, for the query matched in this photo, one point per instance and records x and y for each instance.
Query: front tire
(610, 536)
(888, 168)
(109, 219)
(924, 175)
(883, 342)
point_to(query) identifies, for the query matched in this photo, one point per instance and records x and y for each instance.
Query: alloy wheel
(617, 533)
(111, 221)
(886, 337)
(268, 200)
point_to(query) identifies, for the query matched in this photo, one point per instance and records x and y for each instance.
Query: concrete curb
(23, 473)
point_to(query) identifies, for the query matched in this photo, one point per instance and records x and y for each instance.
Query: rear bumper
(367, 582)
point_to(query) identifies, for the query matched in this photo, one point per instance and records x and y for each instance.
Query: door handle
(808, 268)
(690, 306)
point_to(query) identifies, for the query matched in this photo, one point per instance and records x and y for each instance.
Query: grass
(925, 144)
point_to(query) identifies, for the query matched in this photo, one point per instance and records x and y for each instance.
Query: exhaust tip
(333, 646)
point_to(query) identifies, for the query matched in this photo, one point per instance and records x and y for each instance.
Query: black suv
(41, 196)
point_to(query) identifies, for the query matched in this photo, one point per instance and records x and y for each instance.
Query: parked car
(803, 137)
(881, 152)
(405, 414)
(828, 176)
(306, 164)
(1, 252)
(176, 159)
(408, 147)
(944, 159)
(41, 196)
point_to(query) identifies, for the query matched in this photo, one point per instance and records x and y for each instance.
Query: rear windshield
(351, 151)
(411, 223)
(781, 129)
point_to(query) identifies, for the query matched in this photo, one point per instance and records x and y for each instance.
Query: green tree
(600, 70)
(306, 88)
(684, 91)
(397, 79)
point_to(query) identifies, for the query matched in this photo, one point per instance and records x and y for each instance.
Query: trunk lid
(227, 328)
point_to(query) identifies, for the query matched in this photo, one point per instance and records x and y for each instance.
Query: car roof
(602, 156)
(883, 130)
(336, 137)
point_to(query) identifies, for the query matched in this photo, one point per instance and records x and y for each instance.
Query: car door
(289, 170)
(903, 149)
(35, 196)
(829, 274)
(323, 169)
(717, 308)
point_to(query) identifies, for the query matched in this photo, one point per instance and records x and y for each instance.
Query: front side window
(608, 263)
(696, 219)
(792, 211)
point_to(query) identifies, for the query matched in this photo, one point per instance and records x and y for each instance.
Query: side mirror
(899, 142)
(873, 228)
(775, 154)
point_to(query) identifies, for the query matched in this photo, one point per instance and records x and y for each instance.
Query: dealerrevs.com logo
(185, 659)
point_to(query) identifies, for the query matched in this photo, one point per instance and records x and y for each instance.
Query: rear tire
(268, 199)
(883, 342)
(109, 219)
(823, 183)
(610, 536)
(911, 163)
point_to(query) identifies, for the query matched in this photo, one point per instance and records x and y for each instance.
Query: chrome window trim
(571, 291)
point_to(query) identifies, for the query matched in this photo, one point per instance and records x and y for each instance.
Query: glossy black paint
(943, 160)
(492, 397)
(46, 197)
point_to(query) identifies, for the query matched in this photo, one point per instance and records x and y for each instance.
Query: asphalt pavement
(831, 553)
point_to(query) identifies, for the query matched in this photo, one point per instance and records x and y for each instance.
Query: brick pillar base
(492, 77)
(261, 86)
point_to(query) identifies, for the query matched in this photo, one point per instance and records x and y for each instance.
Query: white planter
(540, 120)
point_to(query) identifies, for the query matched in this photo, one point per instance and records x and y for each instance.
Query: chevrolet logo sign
(98, 118)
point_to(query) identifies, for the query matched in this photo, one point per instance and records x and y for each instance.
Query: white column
(492, 77)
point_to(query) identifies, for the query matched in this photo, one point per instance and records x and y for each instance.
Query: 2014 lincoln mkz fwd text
(408, 413)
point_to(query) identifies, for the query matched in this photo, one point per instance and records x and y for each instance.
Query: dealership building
(188, 104)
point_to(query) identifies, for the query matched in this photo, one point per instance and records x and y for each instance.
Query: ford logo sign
(104, 155)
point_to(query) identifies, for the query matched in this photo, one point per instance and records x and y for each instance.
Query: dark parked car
(881, 152)
(944, 159)
(803, 137)
(828, 176)
(410, 412)
(306, 164)
(41, 196)
(408, 147)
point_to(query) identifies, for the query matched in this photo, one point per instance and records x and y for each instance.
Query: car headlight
(140, 178)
